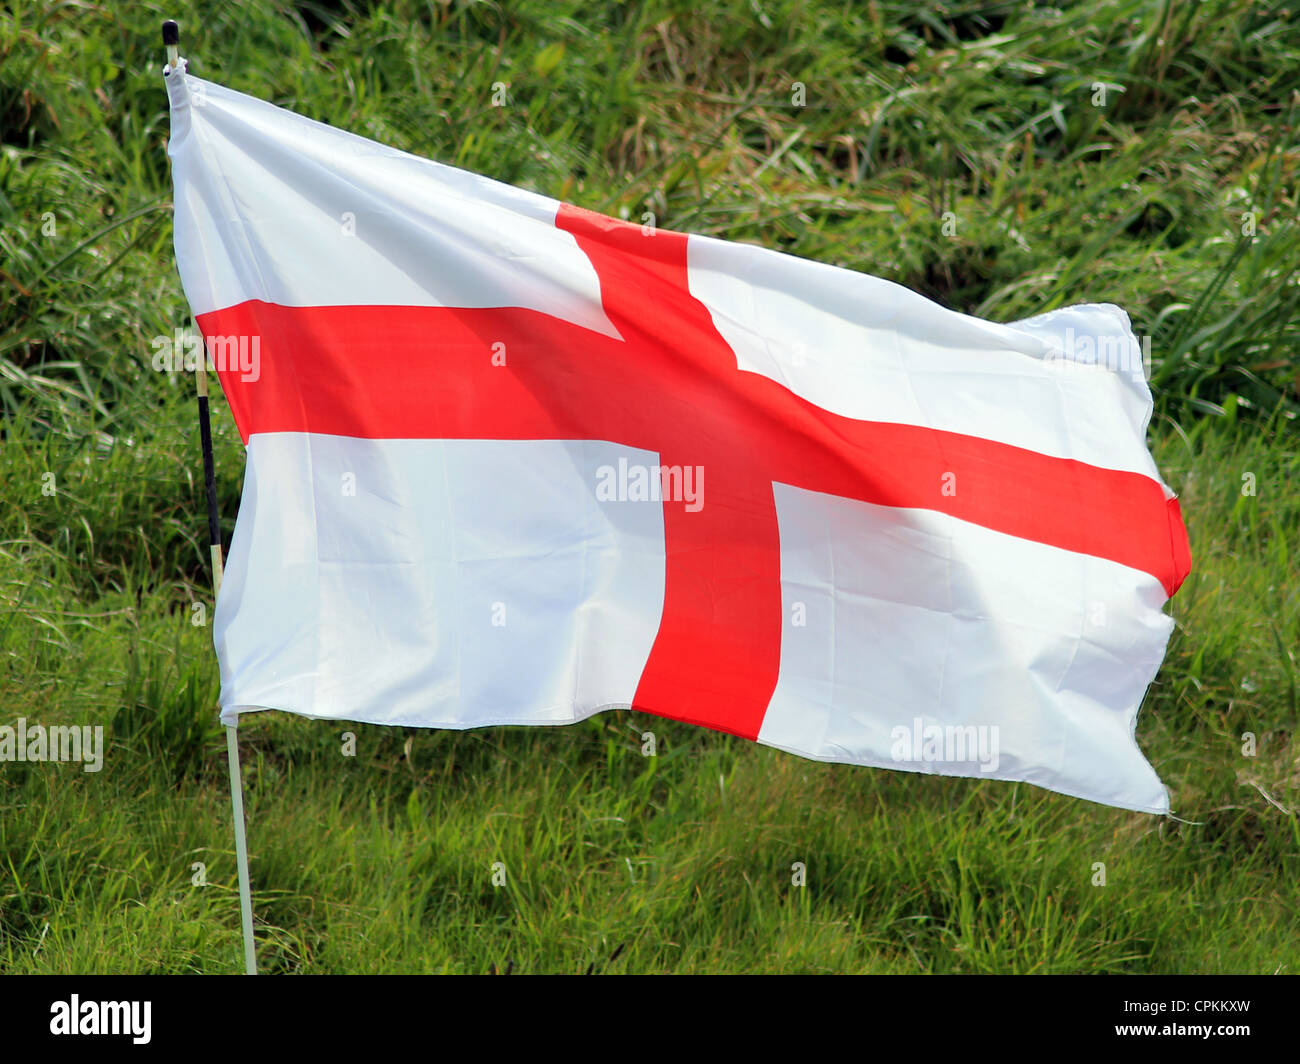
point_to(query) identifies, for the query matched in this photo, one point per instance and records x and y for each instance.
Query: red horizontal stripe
(428, 373)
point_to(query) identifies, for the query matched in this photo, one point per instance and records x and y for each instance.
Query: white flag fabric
(513, 462)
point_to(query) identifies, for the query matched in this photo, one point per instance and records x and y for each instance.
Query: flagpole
(171, 36)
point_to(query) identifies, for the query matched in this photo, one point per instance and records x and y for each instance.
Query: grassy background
(1140, 153)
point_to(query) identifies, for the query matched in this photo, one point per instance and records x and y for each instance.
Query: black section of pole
(171, 34)
(209, 473)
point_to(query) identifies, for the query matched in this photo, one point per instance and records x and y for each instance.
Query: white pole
(236, 779)
(171, 40)
(241, 851)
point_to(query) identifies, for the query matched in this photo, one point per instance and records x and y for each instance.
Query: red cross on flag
(513, 462)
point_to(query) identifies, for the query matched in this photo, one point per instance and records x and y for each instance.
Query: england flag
(513, 462)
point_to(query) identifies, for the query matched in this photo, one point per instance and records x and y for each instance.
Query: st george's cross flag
(513, 462)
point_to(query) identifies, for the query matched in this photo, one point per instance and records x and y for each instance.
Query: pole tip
(171, 33)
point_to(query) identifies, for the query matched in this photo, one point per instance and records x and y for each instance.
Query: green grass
(615, 861)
